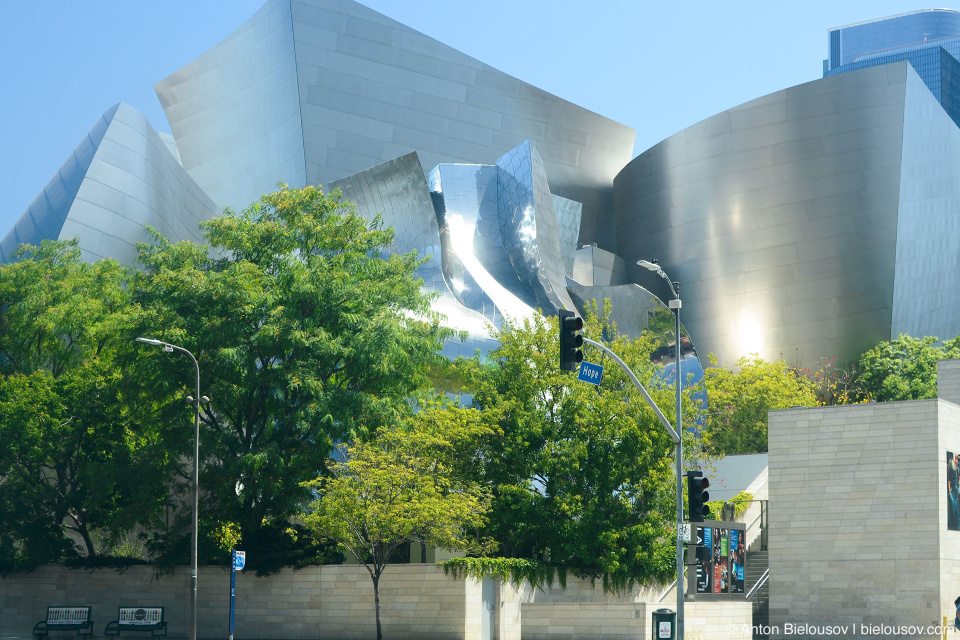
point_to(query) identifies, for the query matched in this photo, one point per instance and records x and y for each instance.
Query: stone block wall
(572, 621)
(330, 602)
(948, 381)
(858, 523)
(418, 602)
(624, 621)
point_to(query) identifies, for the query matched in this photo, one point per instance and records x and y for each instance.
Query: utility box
(664, 624)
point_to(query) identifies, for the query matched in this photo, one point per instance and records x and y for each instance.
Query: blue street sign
(239, 560)
(590, 372)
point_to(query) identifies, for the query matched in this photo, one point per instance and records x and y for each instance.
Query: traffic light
(570, 340)
(697, 496)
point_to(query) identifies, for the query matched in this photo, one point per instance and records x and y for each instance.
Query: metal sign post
(238, 559)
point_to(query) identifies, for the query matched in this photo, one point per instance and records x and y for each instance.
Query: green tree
(305, 336)
(75, 455)
(736, 421)
(582, 476)
(905, 368)
(400, 487)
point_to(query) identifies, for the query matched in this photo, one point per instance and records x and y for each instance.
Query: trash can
(664, 624)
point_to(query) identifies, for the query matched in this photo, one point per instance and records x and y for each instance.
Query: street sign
(590, 372)
(683, 532)
(239, 560)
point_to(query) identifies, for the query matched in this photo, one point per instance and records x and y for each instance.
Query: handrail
(762, 581)
(669, 589)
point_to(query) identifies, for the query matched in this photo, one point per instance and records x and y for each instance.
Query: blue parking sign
(590, 372)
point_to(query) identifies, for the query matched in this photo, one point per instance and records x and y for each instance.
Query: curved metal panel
(634, 310)
(476, 266)
(529, 231)
(568, 213)
(926, 295)
(312, 91)
(398, 192)
(778, 218)
(125, 178)
(235, 111)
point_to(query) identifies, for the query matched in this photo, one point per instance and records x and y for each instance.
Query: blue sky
(657, 67)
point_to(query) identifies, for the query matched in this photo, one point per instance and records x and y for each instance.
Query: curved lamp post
(195, 400)
(674, 304)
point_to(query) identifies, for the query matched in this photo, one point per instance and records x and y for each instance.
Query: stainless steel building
(122, 176)
(813, 222)
(310, 91)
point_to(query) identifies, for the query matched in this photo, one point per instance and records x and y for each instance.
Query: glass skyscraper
(929, 40)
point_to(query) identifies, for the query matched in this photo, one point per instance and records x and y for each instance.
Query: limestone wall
(336, 602)
(418, 602)
(854, 510)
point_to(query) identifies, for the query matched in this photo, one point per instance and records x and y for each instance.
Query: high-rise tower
(929, 40)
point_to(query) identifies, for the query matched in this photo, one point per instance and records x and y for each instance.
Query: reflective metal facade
(503, 235)
(634, 310)
(310, 91)
(235, 111)
(120, 178)
(493, 235)
(926, 294)
(529, 229)
(397, 191)
(815, 221)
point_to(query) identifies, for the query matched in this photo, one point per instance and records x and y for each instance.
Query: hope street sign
(590, 372)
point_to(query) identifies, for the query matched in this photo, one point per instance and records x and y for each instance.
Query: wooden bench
(138, 619)
(65, 619)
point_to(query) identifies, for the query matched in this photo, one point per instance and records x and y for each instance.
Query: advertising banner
(953, 492)
(723, 569)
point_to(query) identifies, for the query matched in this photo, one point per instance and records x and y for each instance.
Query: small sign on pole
(239, 561)
(590, 372)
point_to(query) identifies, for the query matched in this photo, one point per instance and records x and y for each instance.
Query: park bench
(138, 619)
(65, 619)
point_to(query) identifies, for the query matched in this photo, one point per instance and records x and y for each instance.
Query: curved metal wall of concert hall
(812, 222)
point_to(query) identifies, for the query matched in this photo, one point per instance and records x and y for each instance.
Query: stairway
(757, 563)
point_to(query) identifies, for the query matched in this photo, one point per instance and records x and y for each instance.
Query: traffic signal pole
(679, 445)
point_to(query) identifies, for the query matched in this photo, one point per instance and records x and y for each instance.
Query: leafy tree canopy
(582, 476)
(306, 335)
(74, 454)
(905, 368)
(403, 486)
(736, 421)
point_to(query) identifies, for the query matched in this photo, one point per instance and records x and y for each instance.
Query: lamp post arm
(646, 396)
(194, 534)
(194, 529)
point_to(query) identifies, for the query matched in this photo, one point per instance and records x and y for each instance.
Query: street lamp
(195, 400)
(674, 304)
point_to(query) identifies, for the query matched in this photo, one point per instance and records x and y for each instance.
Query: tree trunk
(423, 552)
(87, 540)
(376, 602)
